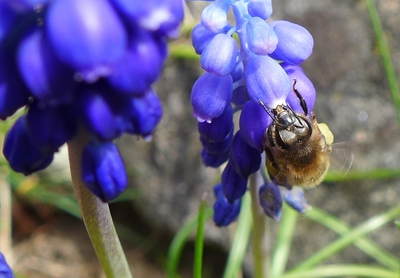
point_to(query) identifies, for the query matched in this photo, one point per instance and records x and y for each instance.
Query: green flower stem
(347, 239)
(364, 244)
(96, 216)
(259, 237)
(240, 240)
(283, 241)
(198, 251)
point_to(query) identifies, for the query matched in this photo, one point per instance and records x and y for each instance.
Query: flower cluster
(82, 64)
(238, 76)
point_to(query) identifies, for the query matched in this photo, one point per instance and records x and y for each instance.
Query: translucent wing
(341, 157)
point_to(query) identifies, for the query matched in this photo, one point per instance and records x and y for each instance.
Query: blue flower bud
(7, 19)
(5, 269)
(219, 128)
(201, 37)
(139, 67)
(144, 114)
(214, 160)
(295, 43)
(260, 8)
(224, 212)
(22, 152)
(261, 37)
(253, 123)
(303, 85)
(217, 147)
(295, 198)
(51, 127)
(233, 185)
(158, 16)
(267, 81)
(245, 159)
(214, 17)
(48, 79)
(103, 170)
(219, 56)
(13, 93)
(271, 200)
(88, 35)
(97, 113)
(211, 94)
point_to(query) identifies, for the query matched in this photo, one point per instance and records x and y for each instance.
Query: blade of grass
(385, 54)
(373, 174)
(177, 244)
(240, 240)
(198, 251)
(283, 241)
(339, 244)
(344, 271)
(364, 244)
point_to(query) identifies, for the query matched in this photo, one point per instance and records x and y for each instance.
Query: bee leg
(303, 103)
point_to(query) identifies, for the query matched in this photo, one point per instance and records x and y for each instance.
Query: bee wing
(341, 157)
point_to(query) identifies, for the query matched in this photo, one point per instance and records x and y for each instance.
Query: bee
(299, 149)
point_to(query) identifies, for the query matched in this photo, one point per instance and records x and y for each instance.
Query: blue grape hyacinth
(261, 67)
(82, 64)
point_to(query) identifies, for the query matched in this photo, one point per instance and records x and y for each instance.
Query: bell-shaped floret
(201, 37)
(49, 80)
(217, 147)
(139, 67)
(295, 43)
(245, 159)
(22, 152)
(51, 127)
(271, 200)
(219, 128)
(260, 36)
(224, 212)
(295, 198)
(5, 269)
(213, 17)
(303, 85)
(13, 92)
(158, 16)
(233, 185)
(211, 94)
(253, 123)
(267, 81)
(219, 56)
(103, 170)
(97, 113)
(88, 35)
(214, 160)
(143, 113)
(260, 8)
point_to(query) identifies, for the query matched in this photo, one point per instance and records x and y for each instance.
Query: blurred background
(167, 178)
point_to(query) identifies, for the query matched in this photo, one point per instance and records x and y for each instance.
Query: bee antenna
(303, 103)
(268, 112)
